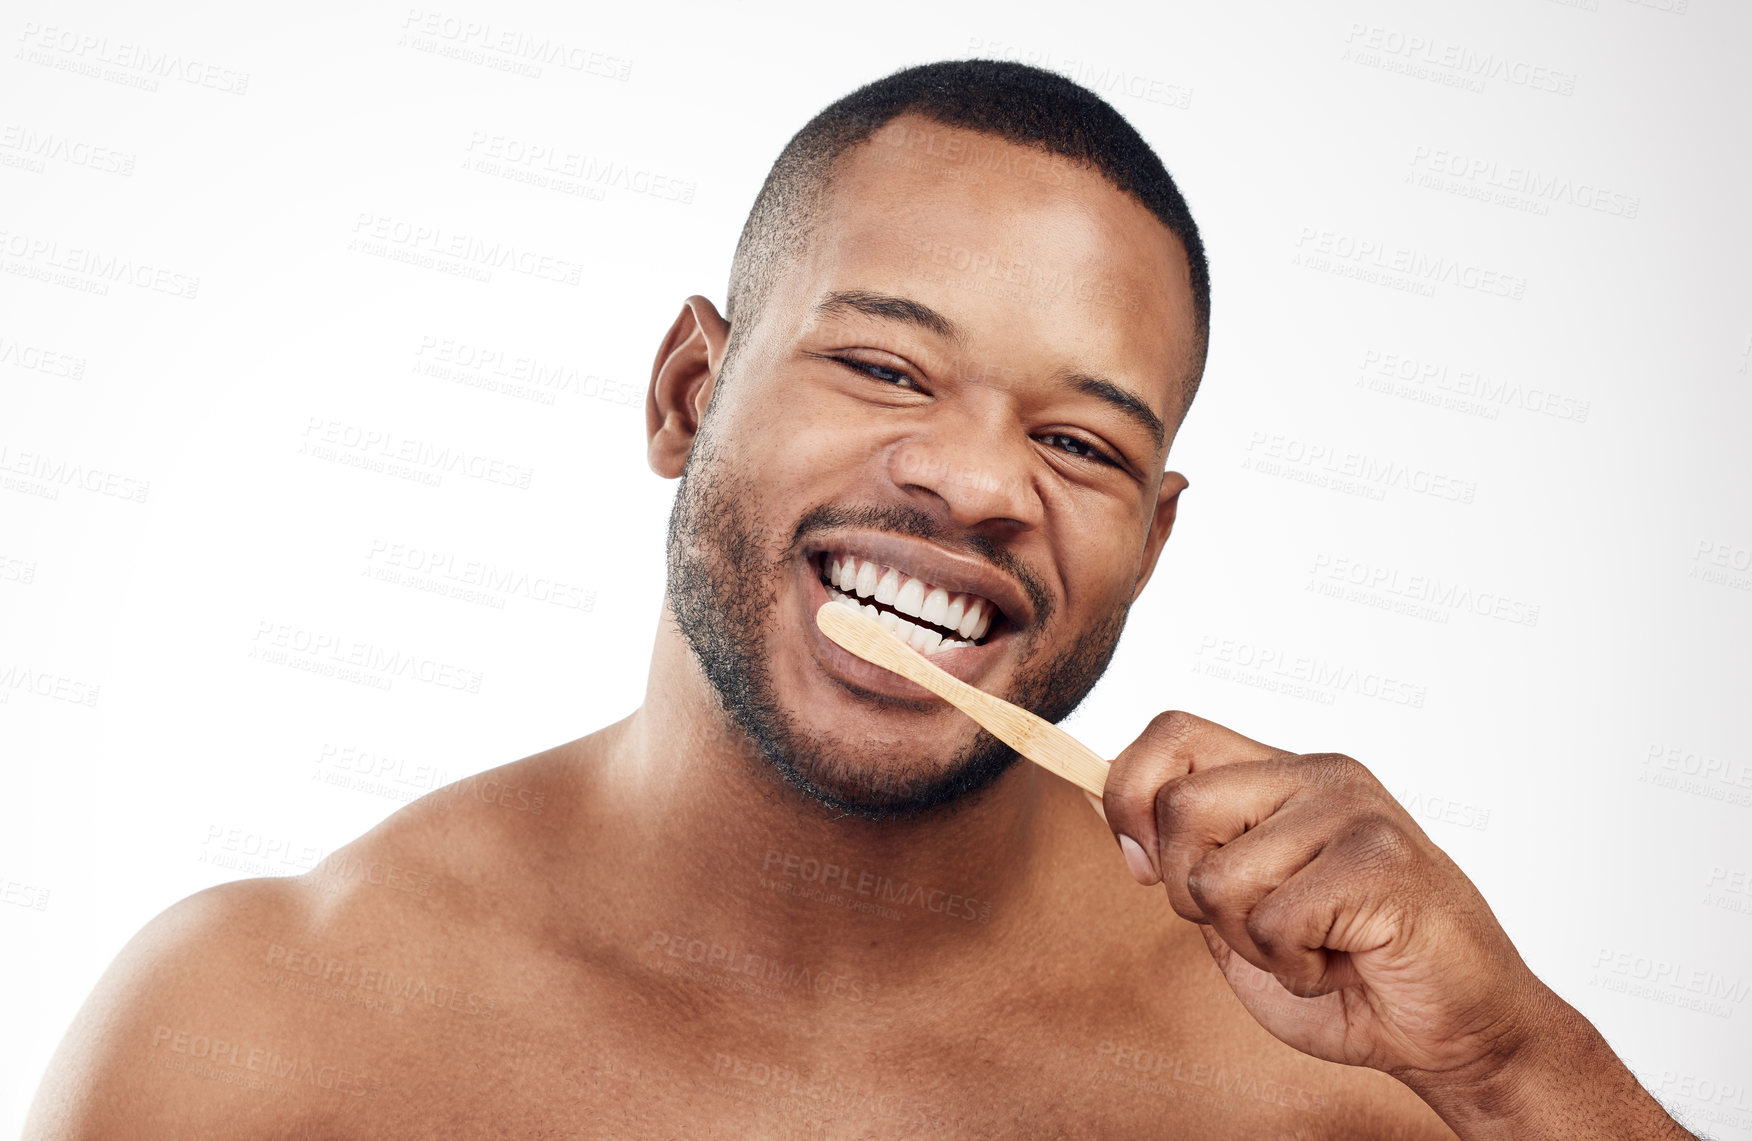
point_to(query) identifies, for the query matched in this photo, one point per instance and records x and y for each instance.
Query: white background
(1555, 697)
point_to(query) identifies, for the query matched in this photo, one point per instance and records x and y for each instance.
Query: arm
(1565, 1083)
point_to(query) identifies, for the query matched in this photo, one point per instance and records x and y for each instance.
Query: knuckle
(1179, 803)
(1266, 934)
(1335, 770)
(1172, 728)
(1200, 885)
(1210, 882)
(1382, 842)
(1127, 780)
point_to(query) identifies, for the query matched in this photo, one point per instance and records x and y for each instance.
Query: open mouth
(930, 618)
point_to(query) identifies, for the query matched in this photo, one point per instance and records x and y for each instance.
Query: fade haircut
(1015, 102)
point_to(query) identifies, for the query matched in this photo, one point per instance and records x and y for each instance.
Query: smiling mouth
(928, 617)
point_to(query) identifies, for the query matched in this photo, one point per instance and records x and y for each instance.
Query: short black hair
(1013, 101)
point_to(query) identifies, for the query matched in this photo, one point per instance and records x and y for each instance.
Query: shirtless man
(792, 894)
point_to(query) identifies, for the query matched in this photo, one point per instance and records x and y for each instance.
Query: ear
(1167, 502)
(682, 379)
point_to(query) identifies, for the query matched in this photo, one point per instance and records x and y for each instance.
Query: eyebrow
(1128, 403)
(889, 308)
(910, 312)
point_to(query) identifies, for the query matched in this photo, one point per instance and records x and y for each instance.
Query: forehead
(1032, 254)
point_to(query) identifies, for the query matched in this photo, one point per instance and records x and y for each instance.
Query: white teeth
(970, 621)
(936, 607)
(920, 638)
(968, 615)
(889, 587)
(911, 599)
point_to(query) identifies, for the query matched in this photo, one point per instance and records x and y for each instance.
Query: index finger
(1172, 745)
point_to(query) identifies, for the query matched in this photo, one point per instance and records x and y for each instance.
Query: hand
(1343, 930)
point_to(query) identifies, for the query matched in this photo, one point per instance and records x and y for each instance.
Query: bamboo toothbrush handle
(1039, 740)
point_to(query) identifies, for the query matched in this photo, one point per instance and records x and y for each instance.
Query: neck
(730, 854)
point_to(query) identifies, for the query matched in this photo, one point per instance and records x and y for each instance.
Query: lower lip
(964, 662)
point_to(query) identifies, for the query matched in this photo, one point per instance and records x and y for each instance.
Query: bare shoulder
(1190, 1043)
(1159, 1036)
(176, 1039)
(273, 1007)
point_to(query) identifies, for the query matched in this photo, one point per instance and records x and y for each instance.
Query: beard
(723, 582)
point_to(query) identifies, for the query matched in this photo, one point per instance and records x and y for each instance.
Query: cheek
(796, 444)
(1099, 561)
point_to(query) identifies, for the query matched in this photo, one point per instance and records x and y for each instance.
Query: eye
(880, 372)
(1077, 446)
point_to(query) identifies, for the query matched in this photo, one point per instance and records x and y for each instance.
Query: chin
(882, 785)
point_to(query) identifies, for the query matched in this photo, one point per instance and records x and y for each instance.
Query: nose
(977, 474)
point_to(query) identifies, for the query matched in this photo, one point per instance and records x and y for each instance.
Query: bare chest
(622, 1065)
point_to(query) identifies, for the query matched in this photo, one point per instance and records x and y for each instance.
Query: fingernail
(1135, 859)
(1095, 803)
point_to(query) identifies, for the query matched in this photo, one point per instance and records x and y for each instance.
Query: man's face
(953, 390)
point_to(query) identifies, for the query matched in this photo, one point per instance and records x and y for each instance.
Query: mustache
(899, 519)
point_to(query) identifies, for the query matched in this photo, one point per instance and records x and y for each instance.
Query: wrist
(1505, 1083)
(1551, 1075)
